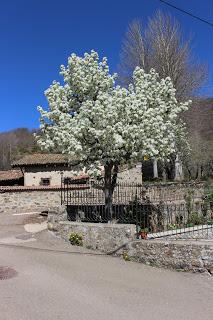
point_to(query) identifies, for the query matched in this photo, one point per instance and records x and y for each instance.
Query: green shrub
(209, 195)
(172, 226)
(76, 239)
(126, 257)
(144, 230)
(195, 219)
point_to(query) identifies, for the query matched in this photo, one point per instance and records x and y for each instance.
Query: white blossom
(91, 118)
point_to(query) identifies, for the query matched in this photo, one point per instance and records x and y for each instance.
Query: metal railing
(158, 214)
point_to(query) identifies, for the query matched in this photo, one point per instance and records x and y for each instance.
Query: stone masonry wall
(26, 201)
(104, 237)
(174, 192)
(180, 255)
(98, 236)
(119, 239)
(41, 198)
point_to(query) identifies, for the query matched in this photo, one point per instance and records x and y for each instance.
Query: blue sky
(37, 36)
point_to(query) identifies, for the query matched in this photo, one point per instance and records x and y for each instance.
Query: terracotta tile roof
(10, 175)
(43, 159)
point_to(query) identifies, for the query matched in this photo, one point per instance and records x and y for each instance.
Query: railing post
(67, 192)
(61, 187)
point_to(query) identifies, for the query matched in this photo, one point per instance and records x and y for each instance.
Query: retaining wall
(104, 237)
(25, 199)
(118, 239)
(196, 256)
(28, 201)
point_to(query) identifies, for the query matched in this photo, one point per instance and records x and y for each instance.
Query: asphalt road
(57, 281)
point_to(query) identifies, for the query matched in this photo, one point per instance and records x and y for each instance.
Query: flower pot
(143, 235)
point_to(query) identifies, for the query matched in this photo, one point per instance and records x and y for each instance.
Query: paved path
(58, 281)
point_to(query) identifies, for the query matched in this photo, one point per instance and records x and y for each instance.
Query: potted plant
(143, 233)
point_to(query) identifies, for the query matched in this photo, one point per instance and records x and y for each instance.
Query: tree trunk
(199, 172)
(170, 167)
(189, 174)
(178, 169)
(164, 174)
(110, 179)
(155, 168)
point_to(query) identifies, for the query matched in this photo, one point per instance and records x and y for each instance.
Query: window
(45, 181)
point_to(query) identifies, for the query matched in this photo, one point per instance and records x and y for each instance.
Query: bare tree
(135, 52)
(161, 46)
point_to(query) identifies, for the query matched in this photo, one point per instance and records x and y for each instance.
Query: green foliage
(76, 239)
(133, 210)
(208, 202)
(195, 219)
(126, 257)
(199, 164)
(172, 226)
(209, 195)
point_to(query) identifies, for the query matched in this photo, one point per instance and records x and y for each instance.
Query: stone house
(45, 169)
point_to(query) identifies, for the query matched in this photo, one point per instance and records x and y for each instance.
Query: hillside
(15, 143)
(199, 119)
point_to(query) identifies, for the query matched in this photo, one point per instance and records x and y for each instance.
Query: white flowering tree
(104, 125)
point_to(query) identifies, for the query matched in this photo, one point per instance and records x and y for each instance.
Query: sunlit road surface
(54, 280)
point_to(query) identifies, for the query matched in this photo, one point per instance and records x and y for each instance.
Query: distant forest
(199, 122)
(14, 144)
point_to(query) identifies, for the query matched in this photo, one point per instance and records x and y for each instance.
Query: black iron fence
(152, 211)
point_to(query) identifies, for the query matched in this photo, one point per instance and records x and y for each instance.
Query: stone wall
(23, 198)
(25, 201)
(120, 239)
(104, 237)
(180, 255)
(174, 192)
